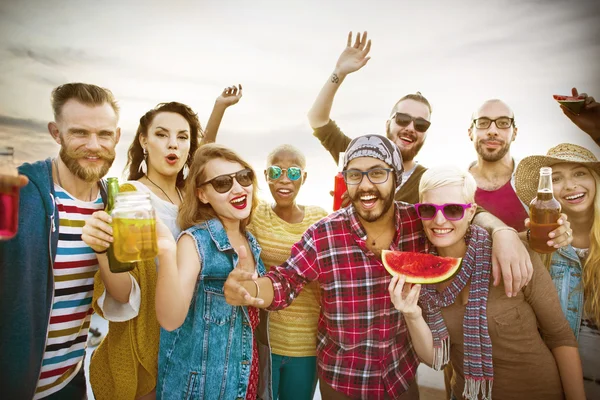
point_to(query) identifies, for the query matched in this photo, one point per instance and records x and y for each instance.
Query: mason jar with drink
(9, 194)
(544, 212)
(134, 228)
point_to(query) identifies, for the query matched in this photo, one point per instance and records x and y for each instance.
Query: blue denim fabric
(565, 271)
(209, 356)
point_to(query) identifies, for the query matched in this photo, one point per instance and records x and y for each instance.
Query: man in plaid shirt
(363, 346)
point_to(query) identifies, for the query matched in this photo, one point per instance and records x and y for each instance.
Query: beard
(371, 215)
(407, 154)
(491, 157)
(88, 174)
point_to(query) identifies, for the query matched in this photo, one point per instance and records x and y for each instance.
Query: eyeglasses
(451, 211)
(375, 175)
(501, 123)
(224, 183)
(274, 172)
(402, 119)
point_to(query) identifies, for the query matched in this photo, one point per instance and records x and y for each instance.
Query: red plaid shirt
(363, 349)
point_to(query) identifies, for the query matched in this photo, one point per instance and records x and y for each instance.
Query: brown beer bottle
(114, 264)
(544, 212)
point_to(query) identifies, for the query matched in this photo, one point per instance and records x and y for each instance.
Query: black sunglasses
(224, 183)
(403, 120)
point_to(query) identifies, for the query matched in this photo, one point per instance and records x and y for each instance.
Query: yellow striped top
(292, 331)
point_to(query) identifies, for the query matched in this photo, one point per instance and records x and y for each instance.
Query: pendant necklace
(166, 195)
(374, 240)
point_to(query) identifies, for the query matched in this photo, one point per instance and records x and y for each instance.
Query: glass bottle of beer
(544, 212)
(114, 264)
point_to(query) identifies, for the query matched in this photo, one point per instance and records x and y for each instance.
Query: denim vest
(209, 356)
(566, 273)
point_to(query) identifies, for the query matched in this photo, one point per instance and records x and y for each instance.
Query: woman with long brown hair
(125, 364)
(208, 348)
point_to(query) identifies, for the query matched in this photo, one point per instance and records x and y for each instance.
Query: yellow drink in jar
(134, 239)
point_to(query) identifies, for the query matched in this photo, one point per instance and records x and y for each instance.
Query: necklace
(176, 188)
(374, 240)
(60, 183)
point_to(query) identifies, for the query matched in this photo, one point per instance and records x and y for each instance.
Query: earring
(143, 166)
(186, 171)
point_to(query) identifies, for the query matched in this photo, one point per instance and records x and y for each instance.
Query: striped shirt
(74, 267)
(293, 331)
(363, 346)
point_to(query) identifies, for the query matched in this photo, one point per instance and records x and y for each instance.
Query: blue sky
(456, 53)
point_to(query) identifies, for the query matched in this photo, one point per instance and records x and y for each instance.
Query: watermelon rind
(574, 104)
(442, 277)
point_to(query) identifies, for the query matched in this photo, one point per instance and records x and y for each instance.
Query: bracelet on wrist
(504, 228)
(528, 235)
(257, 289)
(100, 252)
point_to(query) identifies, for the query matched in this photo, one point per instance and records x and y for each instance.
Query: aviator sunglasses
(451, 211)
(274, 172)
(223, 183)
(403, 120)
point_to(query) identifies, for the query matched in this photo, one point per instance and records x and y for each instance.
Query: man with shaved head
(492, 131)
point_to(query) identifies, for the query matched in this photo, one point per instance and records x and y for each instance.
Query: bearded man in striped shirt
(46, 270)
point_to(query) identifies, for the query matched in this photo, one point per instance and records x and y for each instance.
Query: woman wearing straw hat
(575, 269)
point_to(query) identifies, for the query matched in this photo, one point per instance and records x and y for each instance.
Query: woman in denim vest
(209, 349)
(575, 269)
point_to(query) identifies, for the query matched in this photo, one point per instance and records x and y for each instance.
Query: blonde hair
(192, 210)
(591, 267)
(441, 176)
(85, 93)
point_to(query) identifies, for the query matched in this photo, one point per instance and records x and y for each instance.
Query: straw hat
(527, 174)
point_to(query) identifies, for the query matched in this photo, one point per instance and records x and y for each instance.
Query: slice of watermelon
(573, 103)
(419, 267)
